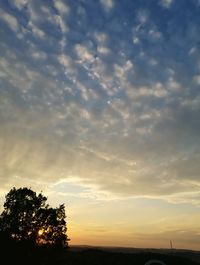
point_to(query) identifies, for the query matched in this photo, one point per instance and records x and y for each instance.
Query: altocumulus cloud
(104, 91)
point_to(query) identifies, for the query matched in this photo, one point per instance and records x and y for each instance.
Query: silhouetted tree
(27, 217)
(53, 226)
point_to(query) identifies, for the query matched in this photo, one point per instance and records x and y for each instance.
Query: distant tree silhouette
(27, 218)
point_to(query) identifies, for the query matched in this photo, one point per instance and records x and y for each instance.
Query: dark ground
(99, 257)
(193, 255)
(95, 256)
(23, 253)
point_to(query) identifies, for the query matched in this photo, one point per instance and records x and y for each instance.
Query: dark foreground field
(92, 256)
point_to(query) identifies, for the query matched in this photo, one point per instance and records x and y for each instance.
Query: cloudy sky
(100, 109)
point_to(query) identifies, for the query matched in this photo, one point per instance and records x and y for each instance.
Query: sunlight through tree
(27, 217)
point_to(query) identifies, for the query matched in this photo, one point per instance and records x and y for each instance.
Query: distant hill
(185, 254)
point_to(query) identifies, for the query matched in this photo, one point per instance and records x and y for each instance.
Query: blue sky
(100, 103)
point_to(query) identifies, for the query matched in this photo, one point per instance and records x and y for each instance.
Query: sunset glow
(100, 110)
(40, 232)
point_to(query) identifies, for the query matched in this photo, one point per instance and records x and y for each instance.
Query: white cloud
(192, 51)
(121, 107)
(68, 64)
(157, 90)
(173, 85)
(62, 24)
(192, 103)
(103, 50)
(136, 40)
(166, 3)
(39, 55)
(61, 7)
(196, 79)
(83, 53)
(101, 37)
(19, 3)
(10, 20)
(121, 71)
(35, 13)
(154, 34)
(185, 197)
(142, 16)
(65, 60)
(36, 31)
(153, 62)
(107, 4)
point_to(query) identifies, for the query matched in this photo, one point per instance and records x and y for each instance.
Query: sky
(100, 110)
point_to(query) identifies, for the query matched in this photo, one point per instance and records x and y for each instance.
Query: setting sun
(40, 232)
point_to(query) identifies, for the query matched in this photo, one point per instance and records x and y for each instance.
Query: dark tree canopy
(27, 217)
